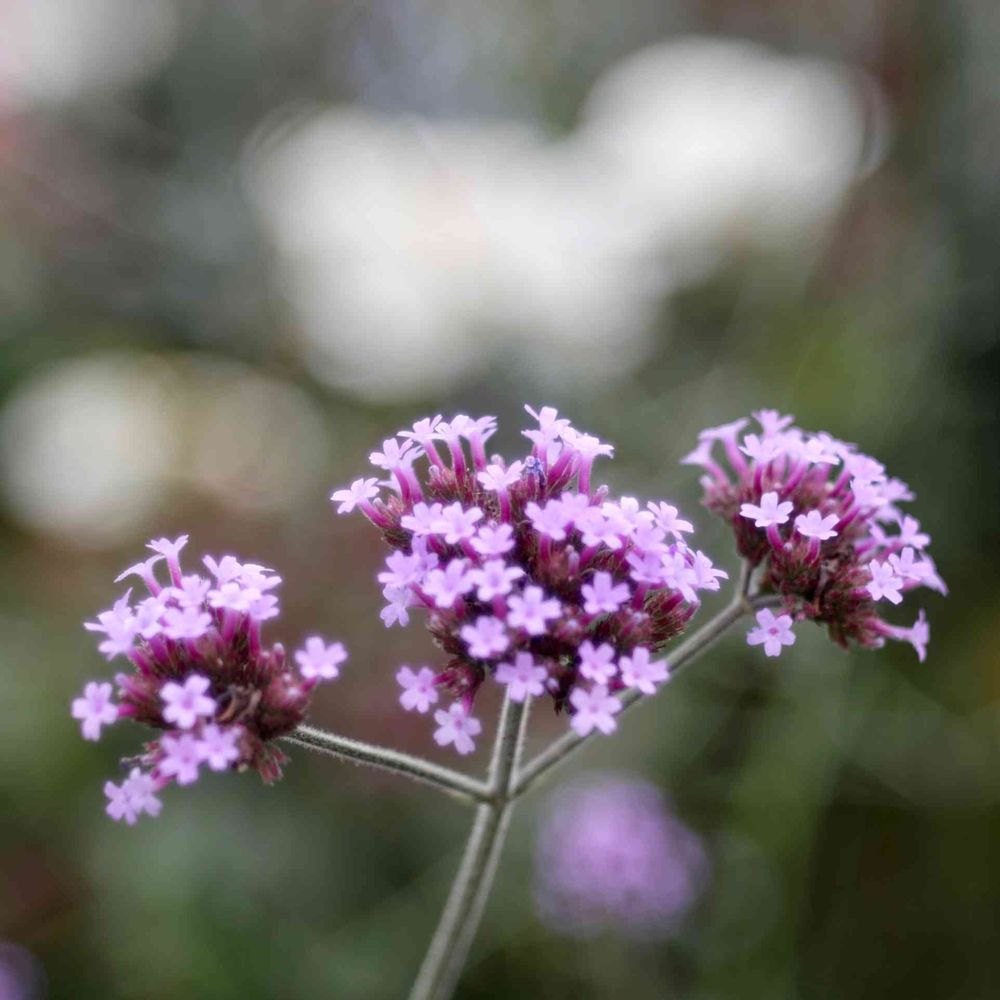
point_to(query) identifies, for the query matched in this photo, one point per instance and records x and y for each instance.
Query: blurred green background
(241, 243)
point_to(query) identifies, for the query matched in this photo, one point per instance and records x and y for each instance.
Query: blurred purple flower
(612, 857)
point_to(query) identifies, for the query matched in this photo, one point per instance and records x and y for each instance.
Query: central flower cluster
(527, 573)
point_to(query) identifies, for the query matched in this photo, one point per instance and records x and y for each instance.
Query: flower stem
(681, 657)
(456, 929)
(452, 782)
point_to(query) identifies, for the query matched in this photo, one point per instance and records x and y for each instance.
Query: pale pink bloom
(762, 450)
(917, 635)
(814, 525)
(186, 703)
(531, 610)
(910, 533)
(594, 709)
(551, 426)
(704, 575)
(906, 565)
(394, 455)
(181, 757)
(226, 570)
(668, 519)
(319, 660)
(642, 673)
(493, 540)
(446, 586)
(864, 468)
(597, 663)
(586, 445)
(603, 595)
(143, 570)
(360, 491)
(217, 746)
(867, 494)
(186, 623)
(550, 520)
(771, 421)
(486, 638)
(118, 625)
(233, 596)
(497, 479)
(401, 570)
(724, 432)
(771, 631)
(458, 523)
(425, 519)
(136, 795)
(396, 611)
(884, 582)
(495, 579)
(170, 550)
(596, 528)
(457, 727)
(94, 709)
(419, 692)
(769, 512)
(191, 593)
(523, 677)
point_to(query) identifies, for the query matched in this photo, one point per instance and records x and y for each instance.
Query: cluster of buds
(201, 675)
(822, 522)
(527, 573)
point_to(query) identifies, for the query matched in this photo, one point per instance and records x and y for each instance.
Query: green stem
(452, 782)
(459, 921)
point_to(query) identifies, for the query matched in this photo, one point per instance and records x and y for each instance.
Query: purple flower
(639, 672)
(186, 702)
(594, 709)
(597, 663)
(495, 579)
(136, 795)
(217, 746)
(486, 638)
(458, 727)
(531, 610)
(773, 632)
(840, 560)
(884, 582)
(170, 550)
(604, 595)
(419, 691)
(447, 585)
(523, 677)
(611, 857)
(181, 758)
(319, 661)
(190, 622)
(521, 561)
(814, 525)
(360, 491)
(769, 512)
(119, 625)
(95, 709)
(394, 455)
(493, 540)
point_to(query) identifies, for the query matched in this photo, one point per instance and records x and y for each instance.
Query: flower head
(457, 727)
(839, 559)
(525, 571)
(202, 677)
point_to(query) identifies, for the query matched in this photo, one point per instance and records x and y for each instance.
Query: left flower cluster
(201, 675)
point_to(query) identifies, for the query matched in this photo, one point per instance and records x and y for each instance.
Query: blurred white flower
(718, 138)
(55, 50)
(93, 449)
(414, 253)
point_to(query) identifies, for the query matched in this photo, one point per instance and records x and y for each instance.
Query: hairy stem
(452, 782)
(685, 654)
(456, 929)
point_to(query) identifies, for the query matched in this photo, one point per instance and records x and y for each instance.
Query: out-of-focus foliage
(241, 243)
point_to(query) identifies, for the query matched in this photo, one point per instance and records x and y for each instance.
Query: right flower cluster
(823, 521)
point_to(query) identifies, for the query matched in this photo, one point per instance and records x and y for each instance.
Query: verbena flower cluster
(611, 857)
(823, 521)
(200, 674)
(526, 571)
